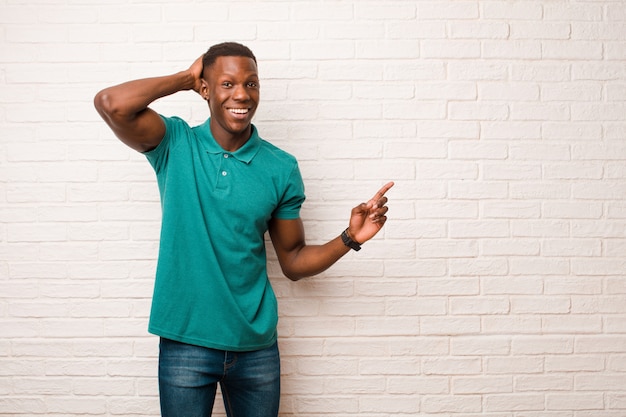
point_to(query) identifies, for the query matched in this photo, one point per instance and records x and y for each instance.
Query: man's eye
(253, 85)
(227, 84)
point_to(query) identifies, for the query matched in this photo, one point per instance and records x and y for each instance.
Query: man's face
(231, 85)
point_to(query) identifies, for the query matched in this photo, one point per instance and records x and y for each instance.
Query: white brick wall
(497, 287)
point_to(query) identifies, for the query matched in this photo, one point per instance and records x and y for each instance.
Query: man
(222, 187)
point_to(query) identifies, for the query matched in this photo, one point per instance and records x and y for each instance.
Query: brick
(347, 386)
(511, 210)
(575, 401)
(401, 70)
(311, 11)
(276, 31)
(599, 383)
(617, 363)
(477, 190)
(458, 49)
(526, 49)
(574, 363)
(502, 247)
(595, 71)
(24, 404)
(573, 171)
(449, 325)
(598, 266)
(443, 404)
(587, 112)
(542, 345)
(478, 267)
(610, 229)
(574, 50)
(572, 324)
(480, 345)
(373, 11)
(395, 367)
(391, 326)
(512, 285)
(456, 129)
(423, 307)
(547, 112)
(394, 49)
(515, 402)
(447, 10)
(581, 91)
(599, 344)
(329, 404)
(525, 171)
(576, 12)
(419, 268)
(447, 249)
(481, 385)
(392, 404)
(409, 30)
(477, 111)
(392, 91)
(462, 29)
(531, 266)
(455, 210)
(412, 109)
(579, 210)
(461, 286)
(571, 247)
(422, 150)
(516, 365)
(417, 385)
(518, 324)
(478, 229)
(323, 50)
(473, 151)
(508, 92)
(447, 170)
(534, 29)
(477, 71)
(598, 31)
(485, 306)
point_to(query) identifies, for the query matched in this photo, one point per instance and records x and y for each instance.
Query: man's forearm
(130, 98)
(314, 259)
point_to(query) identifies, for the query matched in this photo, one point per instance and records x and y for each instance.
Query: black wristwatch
(349, 242)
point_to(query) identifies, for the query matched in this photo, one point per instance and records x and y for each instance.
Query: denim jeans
(188, 378)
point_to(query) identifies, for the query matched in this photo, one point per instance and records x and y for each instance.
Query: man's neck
(228, 141)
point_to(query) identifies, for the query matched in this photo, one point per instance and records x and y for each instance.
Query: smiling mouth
(239, 111)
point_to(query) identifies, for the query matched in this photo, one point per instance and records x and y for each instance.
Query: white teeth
(238, 111)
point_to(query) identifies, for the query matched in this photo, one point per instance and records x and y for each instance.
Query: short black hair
(225, 49)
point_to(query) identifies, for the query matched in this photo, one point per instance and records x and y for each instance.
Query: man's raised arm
(299, 260)
(124, 107)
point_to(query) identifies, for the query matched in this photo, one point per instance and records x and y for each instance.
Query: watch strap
(347, 240)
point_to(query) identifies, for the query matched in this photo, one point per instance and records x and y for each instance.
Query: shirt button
(226, 155)
(224, 173)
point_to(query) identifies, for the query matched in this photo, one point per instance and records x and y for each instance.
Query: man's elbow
(104, 105)
(292, 275)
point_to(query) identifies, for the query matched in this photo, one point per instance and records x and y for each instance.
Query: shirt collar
(244, 154)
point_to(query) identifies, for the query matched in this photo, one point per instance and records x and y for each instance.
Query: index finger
(380, 193)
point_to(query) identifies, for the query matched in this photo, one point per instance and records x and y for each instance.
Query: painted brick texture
(497, 287)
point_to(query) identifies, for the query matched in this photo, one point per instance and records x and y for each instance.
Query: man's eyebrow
(234, 74)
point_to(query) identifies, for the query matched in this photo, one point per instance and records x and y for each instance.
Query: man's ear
(204, 89)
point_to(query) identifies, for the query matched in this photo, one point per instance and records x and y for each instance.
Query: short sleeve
(174, 128)
(293, 197)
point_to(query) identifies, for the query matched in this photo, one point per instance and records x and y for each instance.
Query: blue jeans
(188, 378)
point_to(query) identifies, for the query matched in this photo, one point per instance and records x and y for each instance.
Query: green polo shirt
(211, 286)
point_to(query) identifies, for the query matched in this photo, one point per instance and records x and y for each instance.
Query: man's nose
(240, 93)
